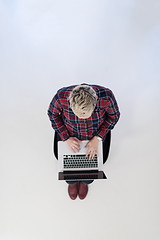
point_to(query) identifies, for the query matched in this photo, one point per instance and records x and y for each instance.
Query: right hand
(73, 144)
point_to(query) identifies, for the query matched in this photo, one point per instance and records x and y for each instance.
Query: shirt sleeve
(55, 116)
(112, 116)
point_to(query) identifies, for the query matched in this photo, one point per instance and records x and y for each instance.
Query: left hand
(92, 147)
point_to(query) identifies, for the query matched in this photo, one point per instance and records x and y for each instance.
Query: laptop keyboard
(79, 161)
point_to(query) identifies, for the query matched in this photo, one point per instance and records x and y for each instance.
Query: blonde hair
(83, 100)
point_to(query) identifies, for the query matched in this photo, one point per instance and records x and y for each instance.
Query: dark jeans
(106, 147)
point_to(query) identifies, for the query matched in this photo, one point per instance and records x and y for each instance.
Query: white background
(46, 45)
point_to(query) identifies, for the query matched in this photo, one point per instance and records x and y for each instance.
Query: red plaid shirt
(67, 124)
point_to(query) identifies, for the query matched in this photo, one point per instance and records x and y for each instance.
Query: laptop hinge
(80, 172)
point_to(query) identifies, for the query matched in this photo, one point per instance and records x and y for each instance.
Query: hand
(92, 147)
(73, 144)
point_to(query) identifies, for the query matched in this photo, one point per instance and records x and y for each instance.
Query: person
(83, 112)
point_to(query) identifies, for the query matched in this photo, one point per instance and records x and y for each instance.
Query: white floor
(48, 45)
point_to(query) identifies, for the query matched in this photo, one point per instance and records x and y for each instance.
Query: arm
(55, 116)
(112, 116)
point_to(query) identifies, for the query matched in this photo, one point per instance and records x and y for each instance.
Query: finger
(75, 148)
(76, 139)
(76, 143)
(87, 153)
(91, 156)
(88, 156)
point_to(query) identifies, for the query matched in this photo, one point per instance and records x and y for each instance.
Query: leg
(78, 188)
(83, 181)
(71, 182)
(74, 187)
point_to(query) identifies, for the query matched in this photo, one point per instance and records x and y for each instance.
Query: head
(83, 100)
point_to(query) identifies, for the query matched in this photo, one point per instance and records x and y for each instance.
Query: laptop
(74, 166)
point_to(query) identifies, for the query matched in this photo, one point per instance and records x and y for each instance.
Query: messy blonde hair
(83, 100)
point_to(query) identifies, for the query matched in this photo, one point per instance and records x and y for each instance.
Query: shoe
(73, 190)
(83, 190)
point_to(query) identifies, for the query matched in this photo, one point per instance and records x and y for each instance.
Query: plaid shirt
(67, 124)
